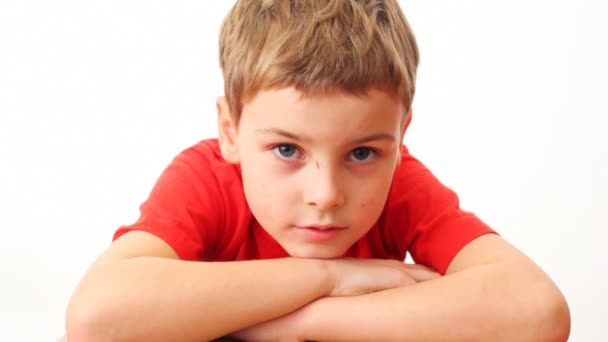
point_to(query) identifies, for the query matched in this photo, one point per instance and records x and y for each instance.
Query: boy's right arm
(138, 290)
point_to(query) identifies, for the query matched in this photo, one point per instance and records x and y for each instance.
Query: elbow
(79, 324)
(558, 318)
(552, 315)
(86, 320)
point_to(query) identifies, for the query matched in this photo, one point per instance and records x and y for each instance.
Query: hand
(284, 328)
(352, 277)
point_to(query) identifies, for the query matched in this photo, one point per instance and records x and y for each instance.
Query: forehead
(289, 105)
(336, 120)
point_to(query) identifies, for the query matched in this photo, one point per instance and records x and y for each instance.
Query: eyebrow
(278, 131)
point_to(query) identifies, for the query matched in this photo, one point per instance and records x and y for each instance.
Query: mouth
(320, 233)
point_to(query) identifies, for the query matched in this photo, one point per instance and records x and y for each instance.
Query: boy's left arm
(491, 292)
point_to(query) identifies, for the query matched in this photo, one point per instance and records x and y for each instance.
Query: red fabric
(198, 207)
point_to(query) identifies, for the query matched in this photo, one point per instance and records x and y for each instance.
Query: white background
(96, 97)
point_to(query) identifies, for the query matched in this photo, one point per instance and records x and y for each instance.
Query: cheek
(270, 197)
(372, 196)
(372, 204)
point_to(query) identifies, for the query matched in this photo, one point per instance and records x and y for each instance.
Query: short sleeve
(183, 207)
(425, 216)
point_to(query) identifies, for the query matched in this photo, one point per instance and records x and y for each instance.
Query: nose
(322, 189)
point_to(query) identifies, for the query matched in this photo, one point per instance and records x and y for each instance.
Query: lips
(320, 232)
(322, 227)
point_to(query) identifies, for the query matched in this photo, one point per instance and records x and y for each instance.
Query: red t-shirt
(198, 207)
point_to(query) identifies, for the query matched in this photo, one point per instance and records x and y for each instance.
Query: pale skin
(490, 291)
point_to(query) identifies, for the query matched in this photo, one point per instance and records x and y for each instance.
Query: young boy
(294, 225)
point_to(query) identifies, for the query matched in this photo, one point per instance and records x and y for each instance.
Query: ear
(406, 123)
(227, 131)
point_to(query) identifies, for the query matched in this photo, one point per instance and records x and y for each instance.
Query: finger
(419, 267)
(393, 262)
(423, 274)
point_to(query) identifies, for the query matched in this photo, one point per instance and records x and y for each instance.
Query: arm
(491, 292)
(138, 291)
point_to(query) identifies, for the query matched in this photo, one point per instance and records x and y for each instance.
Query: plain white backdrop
(96, 98)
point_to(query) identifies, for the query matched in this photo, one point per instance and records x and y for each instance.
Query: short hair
(316, 46)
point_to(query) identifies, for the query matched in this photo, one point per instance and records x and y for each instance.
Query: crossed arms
(138, 290)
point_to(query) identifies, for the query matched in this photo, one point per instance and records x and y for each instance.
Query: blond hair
(317, 46)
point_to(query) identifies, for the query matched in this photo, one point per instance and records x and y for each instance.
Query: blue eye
(286, 151)
(362, 154)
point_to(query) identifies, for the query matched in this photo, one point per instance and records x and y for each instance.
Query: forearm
(158, 299)
(485, 303)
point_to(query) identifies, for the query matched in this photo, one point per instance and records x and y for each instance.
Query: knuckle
(404, 277)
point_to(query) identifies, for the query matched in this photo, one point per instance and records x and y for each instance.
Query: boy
(294, 224)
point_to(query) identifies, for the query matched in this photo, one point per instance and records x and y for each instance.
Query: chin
(317, 252)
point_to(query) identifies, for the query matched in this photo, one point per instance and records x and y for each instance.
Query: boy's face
(316, 170)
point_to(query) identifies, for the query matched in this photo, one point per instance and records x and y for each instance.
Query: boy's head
(317, 46)
(317, 98)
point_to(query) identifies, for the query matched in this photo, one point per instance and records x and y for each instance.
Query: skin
(491, 292)
(304, 163)
(322, 180)
(297, 172)
(119, 297)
